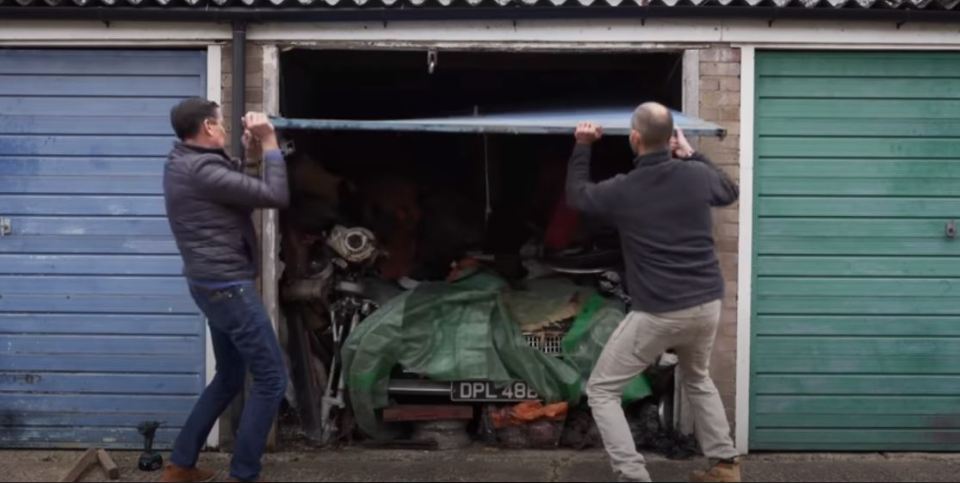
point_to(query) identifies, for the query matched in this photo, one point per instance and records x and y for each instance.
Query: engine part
(333, 401)
(305, 290)
(612, 284)
(345, 315)
(351, 288)
(356, 245)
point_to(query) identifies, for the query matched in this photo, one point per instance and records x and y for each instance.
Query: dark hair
(187, 116)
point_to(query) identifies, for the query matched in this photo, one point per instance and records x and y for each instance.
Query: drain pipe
(239, 86)
(238, 100)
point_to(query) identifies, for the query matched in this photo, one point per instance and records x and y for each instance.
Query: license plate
(484, 391)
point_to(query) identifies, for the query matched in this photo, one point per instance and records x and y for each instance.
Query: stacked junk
(405, 327)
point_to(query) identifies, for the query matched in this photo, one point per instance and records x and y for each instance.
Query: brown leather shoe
(721, 472)
(176, 474)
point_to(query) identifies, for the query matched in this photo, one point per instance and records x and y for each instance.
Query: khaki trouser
(635, 345)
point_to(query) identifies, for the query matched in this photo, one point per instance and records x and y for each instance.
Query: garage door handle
(952, 229)
(6, 228)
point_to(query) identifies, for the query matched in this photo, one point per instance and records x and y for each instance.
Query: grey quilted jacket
(209, 205)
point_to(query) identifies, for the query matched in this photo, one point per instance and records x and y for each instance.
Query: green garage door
(856, 308)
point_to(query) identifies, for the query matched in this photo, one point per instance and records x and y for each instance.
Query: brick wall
(720, 103)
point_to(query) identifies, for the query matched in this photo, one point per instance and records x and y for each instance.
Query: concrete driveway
(482, 464)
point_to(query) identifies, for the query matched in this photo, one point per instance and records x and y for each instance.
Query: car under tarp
(467, 330)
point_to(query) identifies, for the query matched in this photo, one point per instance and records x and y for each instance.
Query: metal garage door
(856, 309)
(97, 329)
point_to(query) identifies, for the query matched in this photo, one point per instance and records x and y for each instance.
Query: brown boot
(721, 472)
(176, 474)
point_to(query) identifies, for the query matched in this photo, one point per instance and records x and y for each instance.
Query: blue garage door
(97, 328)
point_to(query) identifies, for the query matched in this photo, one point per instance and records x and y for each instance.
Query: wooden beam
(80, 466)
(305, 381)
(109, 466)
(270, 219)
(411, 412)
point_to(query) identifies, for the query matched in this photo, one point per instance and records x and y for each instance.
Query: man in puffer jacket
(209, 203)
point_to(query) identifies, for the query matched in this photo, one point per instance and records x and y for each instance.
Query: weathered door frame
(270, 238)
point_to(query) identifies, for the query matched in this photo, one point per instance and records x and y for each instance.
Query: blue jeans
(242, 338)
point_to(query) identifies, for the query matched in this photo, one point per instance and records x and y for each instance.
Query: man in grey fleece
(662, 210)
(209, 201)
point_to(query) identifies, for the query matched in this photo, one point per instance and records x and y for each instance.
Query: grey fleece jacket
(662, 212)
(209, 204)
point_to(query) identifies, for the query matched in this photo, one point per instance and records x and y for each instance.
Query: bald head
(654, 123)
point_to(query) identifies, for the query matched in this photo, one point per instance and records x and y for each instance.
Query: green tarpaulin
(464, 331)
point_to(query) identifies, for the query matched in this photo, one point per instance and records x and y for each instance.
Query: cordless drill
(149, 460)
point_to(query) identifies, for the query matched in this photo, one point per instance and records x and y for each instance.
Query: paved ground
(498, 465)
